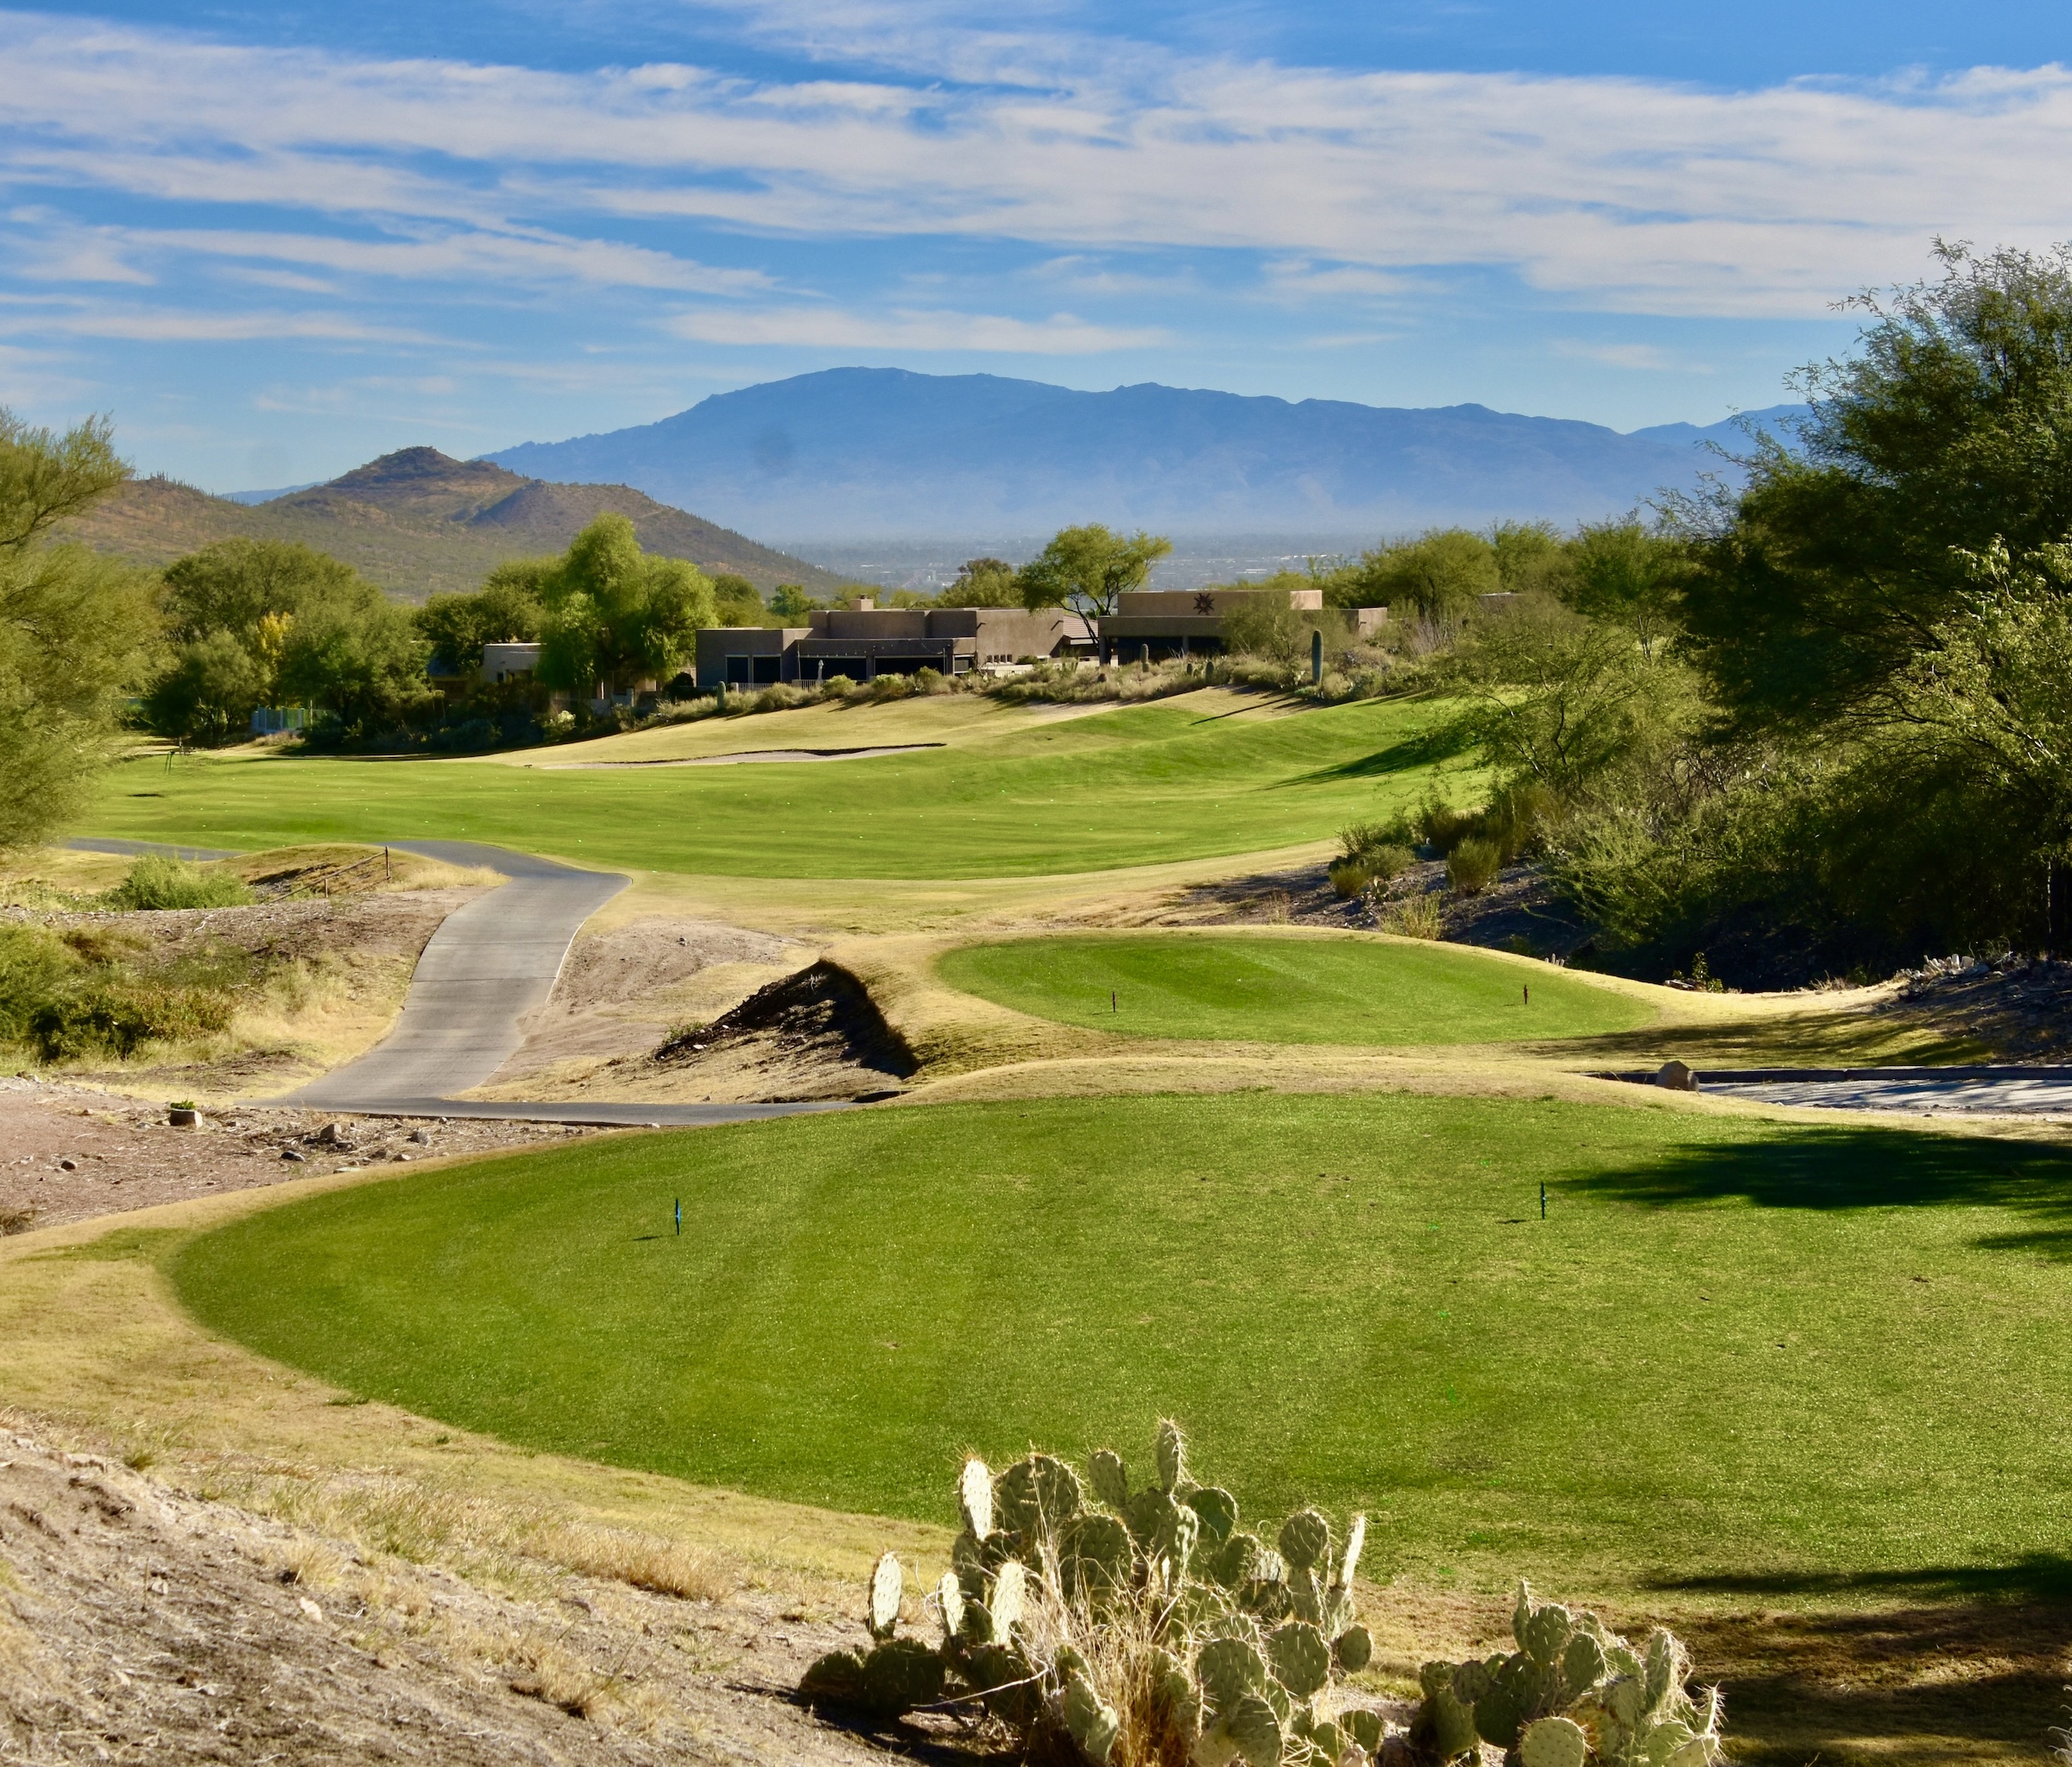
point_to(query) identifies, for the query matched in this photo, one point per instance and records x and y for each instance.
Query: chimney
(865, 604)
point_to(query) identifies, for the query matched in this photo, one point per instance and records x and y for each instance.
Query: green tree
(614, 612)
(506, 609)
(1530, 556)
(1088, 568)
(1950, 429)
(792, 604)
(1438, 576)
(982, 582)
(738, 600)
(75, 626)
(1629, 575)
(310, 629)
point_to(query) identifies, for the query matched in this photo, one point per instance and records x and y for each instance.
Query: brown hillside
(418, 520)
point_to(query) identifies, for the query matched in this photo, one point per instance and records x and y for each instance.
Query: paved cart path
(491, 961)
(1994, 1090)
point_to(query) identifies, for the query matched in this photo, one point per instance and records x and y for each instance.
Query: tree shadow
(1929, 1681)
(1428, 748)
(1833, 1168)
(2038, 1578)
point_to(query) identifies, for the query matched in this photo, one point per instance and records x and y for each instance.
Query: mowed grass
(1271, 989)
(1140, 786)
(1731, 1348)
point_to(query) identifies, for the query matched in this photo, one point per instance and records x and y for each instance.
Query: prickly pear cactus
(1572, 1694)
(885, 1591)
(1099, 1623)
(1305, 1540)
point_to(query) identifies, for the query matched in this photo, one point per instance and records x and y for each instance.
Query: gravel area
(71, 1153)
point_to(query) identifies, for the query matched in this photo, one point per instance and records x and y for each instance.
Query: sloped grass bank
(1733, 1354)
(1260, 988)
(1137, 787)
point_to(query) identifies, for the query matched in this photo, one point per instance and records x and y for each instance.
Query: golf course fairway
(1138, 786)
(1265, 989)
(1731, 1346)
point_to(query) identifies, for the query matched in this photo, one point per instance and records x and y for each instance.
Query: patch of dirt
(1520, 912)
(623, 990)
(815, 1034)
(139, 1621)
(70, 1153)
(2019, 1007)
(387, 924)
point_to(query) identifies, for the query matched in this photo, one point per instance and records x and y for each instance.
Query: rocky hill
(418, 520)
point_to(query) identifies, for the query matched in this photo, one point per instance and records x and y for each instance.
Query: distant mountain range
(860, 453)
(417, 521)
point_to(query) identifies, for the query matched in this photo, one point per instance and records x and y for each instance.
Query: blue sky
(274, 240)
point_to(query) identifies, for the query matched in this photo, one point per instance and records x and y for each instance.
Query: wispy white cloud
(827, 328)
(166, 325)
(1648, 357)
(1621, 193)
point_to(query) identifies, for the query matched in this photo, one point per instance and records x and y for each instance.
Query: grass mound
(1263, 988)
(1733, 1354)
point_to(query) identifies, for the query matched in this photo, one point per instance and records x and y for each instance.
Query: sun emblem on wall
(1204, 603)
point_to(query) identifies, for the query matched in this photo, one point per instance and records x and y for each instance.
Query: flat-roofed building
(1153, 625)
(867, 642)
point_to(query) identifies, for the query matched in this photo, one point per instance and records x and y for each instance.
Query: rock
(330, 1135)
(421, 1138)
(291, 1153)
(1676, 1077)
(68, 1165)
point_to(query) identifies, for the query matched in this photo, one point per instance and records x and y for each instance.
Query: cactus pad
(838, 1676)
(1353, 1648)
(1445, 1726)
(1036, 1494)
(1091, 1720)
(1010, 1593)
(900, 1674)
(886, 1586)
(1582, 1665)
(1255, 1728)
(1148, 1514)
(1301, 1660)
(1228, 1669)
(1109, 1477)
(1365, 1728)
(1553, 1742)
(1305, 1539)
(1171, 1450)
(1543, 1634)
(1094, 1557)
(975, 1498)
(1355, 1544)
(1217, 1509)
(950, 1605)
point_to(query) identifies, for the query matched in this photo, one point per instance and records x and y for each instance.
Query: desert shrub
(159, 882)
(1126, 1628)
(1518, 816)
(1413, 916)
(1472, 866)
(117, 1016)
(33, 967)
(1440, 825)
(889, 687)
(837, 686)
(930, 681)
(1350, 878)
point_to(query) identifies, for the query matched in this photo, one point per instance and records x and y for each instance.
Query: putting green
(1258, 987)
(1731, 1347)
(1137, 787)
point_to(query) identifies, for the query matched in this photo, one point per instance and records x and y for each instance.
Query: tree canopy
(506, 609)
(75, 626)
(269, 622)
(615, 612)
(1088, 568)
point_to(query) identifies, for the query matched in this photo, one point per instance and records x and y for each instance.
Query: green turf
(1136, 786)
(1731, 1346)
(1287, 990)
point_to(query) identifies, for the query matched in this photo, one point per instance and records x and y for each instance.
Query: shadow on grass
(1825, 1168)
(1427, 748)
(1810, 1039)
(1956, 1680)
(2041, 1578)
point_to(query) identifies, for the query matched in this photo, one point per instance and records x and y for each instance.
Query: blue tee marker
(679, 1216)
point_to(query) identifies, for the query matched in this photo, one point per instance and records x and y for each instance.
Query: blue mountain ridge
(860, 453)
